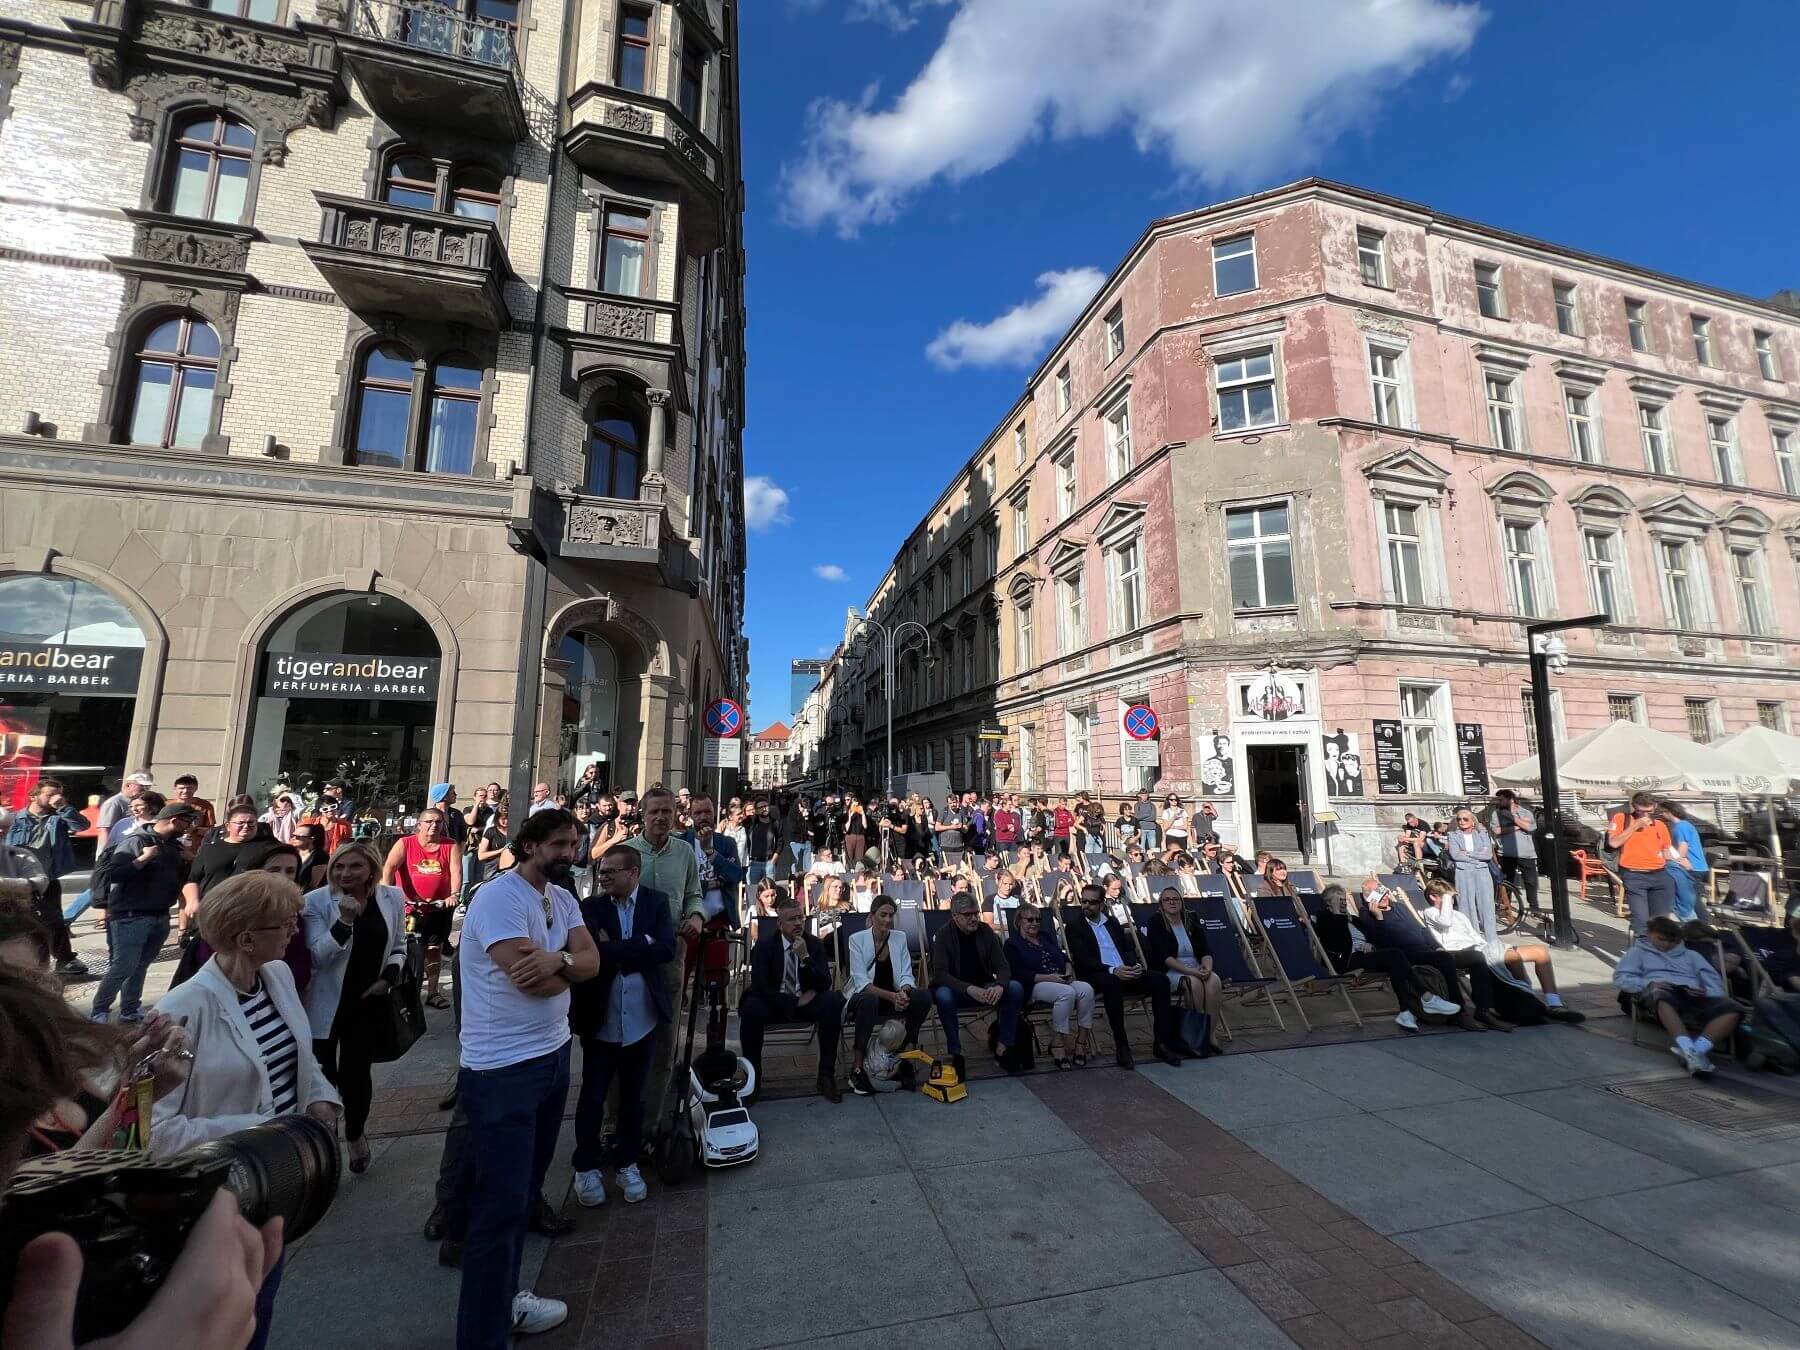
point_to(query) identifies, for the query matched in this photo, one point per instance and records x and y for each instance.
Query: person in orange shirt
(1644, 849)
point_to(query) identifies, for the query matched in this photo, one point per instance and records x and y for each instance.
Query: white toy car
(730, 1138)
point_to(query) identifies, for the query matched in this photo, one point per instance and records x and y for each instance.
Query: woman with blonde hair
(356, 932)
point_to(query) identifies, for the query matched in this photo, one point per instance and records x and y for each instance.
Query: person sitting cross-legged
(1383, 932)
(790, 981)
(881, 986)
(1351, 952)
(1455, 933)
(1036, 958)
(1677, 982)
(969, 970)
(1097, 947)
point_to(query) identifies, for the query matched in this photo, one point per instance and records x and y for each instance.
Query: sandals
(1059, 1053)
(1081, 1048)
(435, 1000)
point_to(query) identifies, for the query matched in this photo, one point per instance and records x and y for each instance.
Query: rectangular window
(985, 476)
(1703, 343)
(1503, 412)
(1259, 555)
(1387, 384)
(1602, 551)
(1785, 461)
(1680, 586)
(693, 82)
(1065, 483)
(1019, 444)
(1234, 265)
(1024, 639)
(1246, 390)
(1568, 317)
(1063, 397)
(1771, 715)
(1071, 612)
(631, 60)
(1746, 575)
(1584, 431)
(1421, 737)
(1125, 563)
(1528, 709)
(1637, 325)
(1022, 526)
(1404, 547)
(1371, 256)
(1027, 758)
(624, 246)
(1653, 426)
(1080, 773)
(1488, 297)
(1115, 334)
(1118, 441)
(1625, 707)
(1721, 436)
(1524, 569)
(990, 550)
(1702, 714)
(1766, 360)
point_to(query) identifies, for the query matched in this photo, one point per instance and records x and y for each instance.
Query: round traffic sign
(1140, 722)
(723, 718)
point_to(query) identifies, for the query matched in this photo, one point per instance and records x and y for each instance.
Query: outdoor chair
(1239, 976)
(935, 921)
(1299, 959)
(1588, 870)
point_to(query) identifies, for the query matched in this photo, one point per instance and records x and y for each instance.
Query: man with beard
(524, 944)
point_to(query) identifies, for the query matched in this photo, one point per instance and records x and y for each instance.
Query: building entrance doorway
(1278, 798)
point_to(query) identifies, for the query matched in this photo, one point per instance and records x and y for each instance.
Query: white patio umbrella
(1773, 754)
(1626, 757)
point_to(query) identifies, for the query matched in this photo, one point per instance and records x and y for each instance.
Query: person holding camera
(142, 880)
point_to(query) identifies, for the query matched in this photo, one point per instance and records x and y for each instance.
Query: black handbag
(398, 1019)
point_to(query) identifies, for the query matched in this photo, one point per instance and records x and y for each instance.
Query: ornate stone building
(371, 385)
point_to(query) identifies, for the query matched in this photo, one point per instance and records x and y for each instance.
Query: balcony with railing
(613, 130)
(422, 62)
(382, 258)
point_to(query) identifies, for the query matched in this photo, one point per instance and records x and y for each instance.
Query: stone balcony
(382, 258)
(615, 131)
(632, 535)
(420, 63)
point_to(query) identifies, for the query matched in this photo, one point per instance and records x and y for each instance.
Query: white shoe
(590, 1188)
(532, 1313)
(1406, 1021)
(1691, 1059)
(1438, 1007)
(632, 1184)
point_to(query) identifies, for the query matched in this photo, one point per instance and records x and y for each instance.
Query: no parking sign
(723, 718)
(1141, 723)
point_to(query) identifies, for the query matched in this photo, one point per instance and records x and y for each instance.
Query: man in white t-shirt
(523, 945)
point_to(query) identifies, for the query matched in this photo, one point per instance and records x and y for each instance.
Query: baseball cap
(176, 811)
(141, 779)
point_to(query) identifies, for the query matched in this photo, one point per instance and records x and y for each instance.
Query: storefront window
(70, 657)
(347, 688)
(590, 710)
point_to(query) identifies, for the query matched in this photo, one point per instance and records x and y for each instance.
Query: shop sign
(46, 668)
(1471, 756)
(344, 675)
(1390, 759)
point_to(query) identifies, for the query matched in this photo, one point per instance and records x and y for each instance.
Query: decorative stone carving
(1691, 646)
(388, 239)
(627, 118)
(1615, 637)
(275, 115)
(1371, 322)
(456, 249)
(358, 234)
(685, 147)
(424, 245)
(200, 36)
(598, 525)
(1764, 649)
(621, 321)
(9, 74)
(1129, 647)
(187, 248)
(1409, 618)
(104, 67)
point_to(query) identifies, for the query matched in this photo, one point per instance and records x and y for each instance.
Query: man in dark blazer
(615, 1016)
(790, 981)
(718, 854)
(1105, 956)
(969, 970)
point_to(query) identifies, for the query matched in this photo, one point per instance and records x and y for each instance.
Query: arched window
(175, 371)
(615, 457)
(411, 181)
(209, 174)
(475, 195)
(455, 409)
(384, 391)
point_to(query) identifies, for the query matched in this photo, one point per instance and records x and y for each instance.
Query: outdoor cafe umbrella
(1773, 754)
(1625, 757)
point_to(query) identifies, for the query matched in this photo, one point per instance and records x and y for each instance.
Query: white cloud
(765, 503)
(1229, 92)
(1016, 336)
(899, 15)
(830, 572)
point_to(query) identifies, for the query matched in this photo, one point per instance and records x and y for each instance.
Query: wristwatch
(568, 964)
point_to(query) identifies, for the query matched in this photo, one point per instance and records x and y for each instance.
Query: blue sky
(916, 165)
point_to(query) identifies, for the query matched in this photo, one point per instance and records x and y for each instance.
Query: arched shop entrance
(347, 687)
(71, 656)
(590, 711)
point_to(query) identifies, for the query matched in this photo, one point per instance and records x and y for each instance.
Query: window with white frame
(1078, 728)
(1024, 638)
(1371, 256)
(1653, 427)
(1115, 333)
(1423, 737)
(1752, 594)
(1683, 604)
(1604, 555)
(1125, 584)
(1504, 425)
(1721, 437)
(1701, 327)
(1702, 719)
(1027, 757)
(1065, 482)
(1783, 441)
(1021, 525)
(1527, 569)
(1234, 265)
(1584, 429)
(1071, 610)
(1403, 547)
(1767, 362)
(1637, 325)
(1568, 313)
(1489, 298)
(1245, 384)
(1063, 395)
(1771, 714)
(1388, 384)
(1625, 708)
(1019, 444)
(1117, 427)
(1259, 555)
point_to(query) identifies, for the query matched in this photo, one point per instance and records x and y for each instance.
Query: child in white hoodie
(1675, 981)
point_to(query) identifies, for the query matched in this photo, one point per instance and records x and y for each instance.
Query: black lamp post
(1537, 635)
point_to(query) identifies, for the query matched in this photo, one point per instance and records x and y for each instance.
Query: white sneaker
(632, 1184)
(590, 1188)
(1438, 1007)
(1406, 1021)
(1691, 1059)
(532, 1313)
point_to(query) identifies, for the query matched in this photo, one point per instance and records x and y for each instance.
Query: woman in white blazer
(356, 936)
(881, 985)
(252, 1043)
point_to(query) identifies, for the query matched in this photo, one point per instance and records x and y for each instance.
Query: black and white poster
(1216, 776)
(1471, 756)
(1343, 764)
(1390, 759)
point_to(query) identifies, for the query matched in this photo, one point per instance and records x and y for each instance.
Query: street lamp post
(887, 640)
(1546, 648)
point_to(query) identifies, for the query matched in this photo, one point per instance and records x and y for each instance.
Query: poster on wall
(1390, 759)
(1216, 776)
(1471, 755)
(22, 735)
(1343, 764)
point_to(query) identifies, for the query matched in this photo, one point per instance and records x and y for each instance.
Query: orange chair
(1592, 869)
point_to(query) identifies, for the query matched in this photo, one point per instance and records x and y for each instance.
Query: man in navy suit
(790, 981)
(717, 852)
(615, 1015)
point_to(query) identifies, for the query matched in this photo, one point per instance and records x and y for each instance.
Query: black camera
(131, 1213)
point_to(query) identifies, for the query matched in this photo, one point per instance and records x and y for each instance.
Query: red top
(425, 872)
(1063, 820)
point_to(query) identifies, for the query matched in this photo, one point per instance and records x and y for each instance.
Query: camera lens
(287, 1167)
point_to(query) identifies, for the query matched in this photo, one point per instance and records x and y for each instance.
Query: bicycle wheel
(1506, 908)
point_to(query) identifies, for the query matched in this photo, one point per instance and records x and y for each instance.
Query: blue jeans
(757, 871)
(1687, 893)
(514, 1116)
(1006, 1010)
(802, 857)
(265, 1304)
(1647, 894)
(134, 940)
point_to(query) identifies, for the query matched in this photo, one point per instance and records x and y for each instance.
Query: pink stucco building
(1297, 478)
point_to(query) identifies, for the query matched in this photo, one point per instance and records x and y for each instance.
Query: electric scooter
(709, 1123)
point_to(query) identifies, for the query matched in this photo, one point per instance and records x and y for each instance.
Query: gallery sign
(343, 675)
(47, 668)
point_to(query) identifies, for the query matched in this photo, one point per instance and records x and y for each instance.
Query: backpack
(1769, 1038)
(21, 866)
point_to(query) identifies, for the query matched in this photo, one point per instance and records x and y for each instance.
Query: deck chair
(942, 888)
(1070, 915)
(935, 921)
(1313, 904)
(1748, 890)
(1758, 945)
(1297, 956)
(1713, 949)
(1237, 970)
(1304, 880)
(849, 925)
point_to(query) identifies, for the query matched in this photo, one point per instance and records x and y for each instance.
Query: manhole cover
(1742, 1111)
